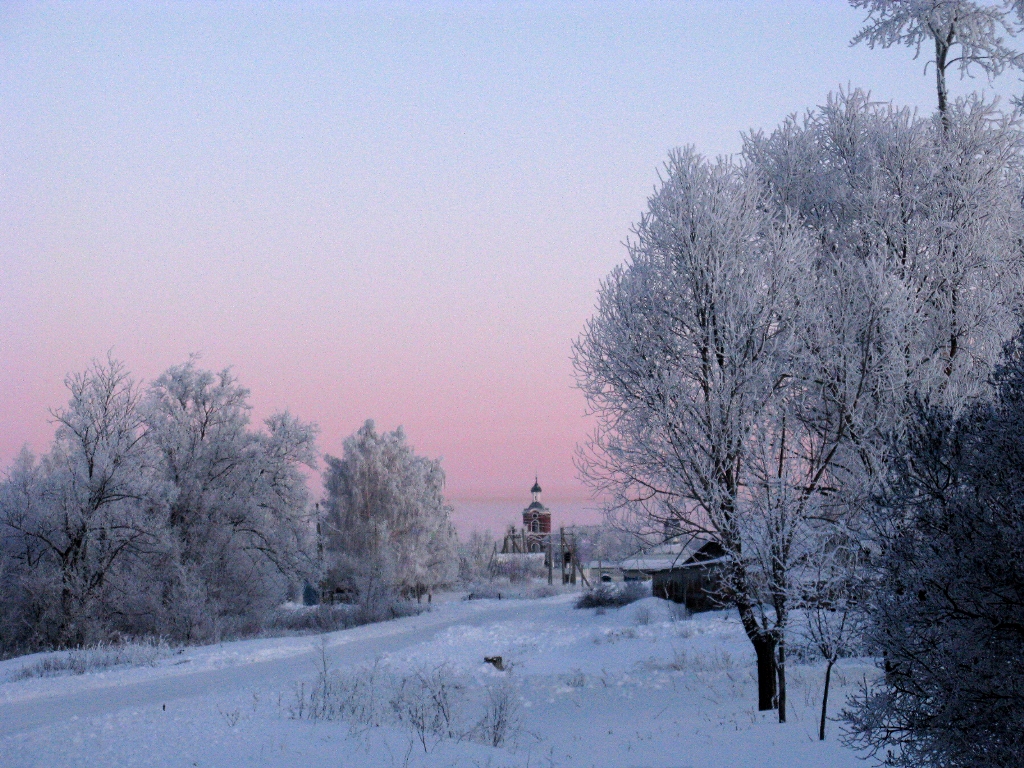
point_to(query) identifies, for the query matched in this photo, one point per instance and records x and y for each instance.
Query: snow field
(634, 687)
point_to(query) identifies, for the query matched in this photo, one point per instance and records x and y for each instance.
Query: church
(535, 542)
(536, 517)
(536, 527)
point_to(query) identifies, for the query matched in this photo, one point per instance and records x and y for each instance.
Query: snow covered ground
(632, 687)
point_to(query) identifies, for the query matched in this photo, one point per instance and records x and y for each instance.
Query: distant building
(685, 569)
(536, 542)
(536, 527)
(537, 517)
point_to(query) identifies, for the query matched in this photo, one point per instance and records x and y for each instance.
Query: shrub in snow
(678, 611)
(475, 557)
(79, 661)
(502, 714)
(543, 590)
(490, 591)
(610, 595)
(336, 695)
(428, 702)
(331, 618)
(433, 702)
(518, 569)
(576, 679)
(495, 590)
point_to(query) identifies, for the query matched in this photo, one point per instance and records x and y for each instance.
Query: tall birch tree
(687, 365)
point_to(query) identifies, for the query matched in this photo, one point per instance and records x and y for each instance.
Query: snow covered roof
(676, 553)
(512, 557)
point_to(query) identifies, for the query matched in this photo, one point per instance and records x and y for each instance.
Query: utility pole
(561, 553)
(572, 557)
(551, 560)
(319, 541)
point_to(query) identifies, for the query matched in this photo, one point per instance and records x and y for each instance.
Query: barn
(685, 569)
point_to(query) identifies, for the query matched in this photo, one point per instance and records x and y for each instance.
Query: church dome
(536, 487)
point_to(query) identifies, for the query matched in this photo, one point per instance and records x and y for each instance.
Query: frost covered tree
(475, 557)
(749, 395)
(917, 224)
(76, 524)
(387, 528)
(917, 231)
(239, 520)
(749, 363)
(963, 33)
(947, 615)
(693, 366)
(924, 224)
(606, 543)
(155, 512)
(807, 474)
(935, 204)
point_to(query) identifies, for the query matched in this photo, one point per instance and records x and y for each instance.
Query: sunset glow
(394, 211)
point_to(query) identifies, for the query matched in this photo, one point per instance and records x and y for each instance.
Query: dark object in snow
(496, 661)
(310, 595)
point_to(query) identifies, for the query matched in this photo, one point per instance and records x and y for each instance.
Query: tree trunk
(941, 55)
(824, 700)
(764, 647)
(782, 679)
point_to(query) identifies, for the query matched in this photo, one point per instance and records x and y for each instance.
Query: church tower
(536, 532)
(536, 517)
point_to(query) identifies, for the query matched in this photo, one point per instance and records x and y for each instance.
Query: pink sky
(395, 211)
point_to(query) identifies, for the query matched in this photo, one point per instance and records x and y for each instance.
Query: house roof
(680, 552)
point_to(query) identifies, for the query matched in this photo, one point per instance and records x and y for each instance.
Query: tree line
(769, 365)
(162, 511)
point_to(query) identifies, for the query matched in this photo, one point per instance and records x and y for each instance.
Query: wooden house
(684, 569)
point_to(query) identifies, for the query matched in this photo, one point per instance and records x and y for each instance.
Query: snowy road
(242, 671)
(631, 687)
